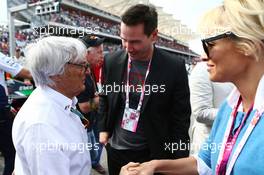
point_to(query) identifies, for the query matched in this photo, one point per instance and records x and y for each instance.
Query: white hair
(49, 55)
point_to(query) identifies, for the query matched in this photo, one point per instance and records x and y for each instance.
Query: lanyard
(229, 140)
(100, 76)
(84, 121)
(143, 85)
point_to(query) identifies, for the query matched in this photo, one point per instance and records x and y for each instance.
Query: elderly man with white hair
(48, 133)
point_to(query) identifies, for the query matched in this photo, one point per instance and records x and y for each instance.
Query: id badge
(130, 119)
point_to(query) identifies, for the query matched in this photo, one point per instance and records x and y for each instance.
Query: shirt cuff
(202, 168)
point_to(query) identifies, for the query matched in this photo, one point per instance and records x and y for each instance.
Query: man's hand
(103, 137)
(129, 169)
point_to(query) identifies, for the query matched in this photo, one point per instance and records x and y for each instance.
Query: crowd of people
(81, 19)
(75, 18)
(172, 44)
(25, 37)
(22, 39)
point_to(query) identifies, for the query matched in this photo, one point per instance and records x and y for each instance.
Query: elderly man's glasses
(206, 42)
(83, 66)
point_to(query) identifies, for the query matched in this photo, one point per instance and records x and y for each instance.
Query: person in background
(235, 53)
(20, 57)
(206, 98)
(88, 100)
(49, 132)
(8, 65)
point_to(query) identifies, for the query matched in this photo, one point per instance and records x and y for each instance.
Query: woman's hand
(129, 169)
(146, 168)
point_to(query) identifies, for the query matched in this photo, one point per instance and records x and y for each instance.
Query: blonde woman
(235, 49)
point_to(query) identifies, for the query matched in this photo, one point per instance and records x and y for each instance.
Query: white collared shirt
(49, 138)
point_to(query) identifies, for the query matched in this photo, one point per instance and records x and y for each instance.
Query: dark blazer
(165, 116)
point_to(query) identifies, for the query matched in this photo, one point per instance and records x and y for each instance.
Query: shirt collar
(259, 97)
(63, 101)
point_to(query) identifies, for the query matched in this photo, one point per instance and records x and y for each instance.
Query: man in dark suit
(145, 108)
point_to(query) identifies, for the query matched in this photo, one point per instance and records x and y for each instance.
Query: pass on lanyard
(229, 140)
(131, 116)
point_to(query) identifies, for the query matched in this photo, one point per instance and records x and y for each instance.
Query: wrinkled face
(95, 56)
(137, 44)
(226, 63)
(73, 78)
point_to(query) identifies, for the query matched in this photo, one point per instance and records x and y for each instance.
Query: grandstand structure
(167, 23)
(102, 18)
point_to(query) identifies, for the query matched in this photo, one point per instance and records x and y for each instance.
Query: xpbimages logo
(148, 89)
(181, 146)
(62, 31)
(53, 146)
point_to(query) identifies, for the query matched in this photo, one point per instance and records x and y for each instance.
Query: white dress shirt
(7, 64)
(49, 138)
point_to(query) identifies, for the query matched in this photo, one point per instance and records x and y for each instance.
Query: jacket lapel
(151, 77)
(118, 72)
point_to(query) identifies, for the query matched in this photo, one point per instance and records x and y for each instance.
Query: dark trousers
(118, 158)
(6, 143)
(96, 161)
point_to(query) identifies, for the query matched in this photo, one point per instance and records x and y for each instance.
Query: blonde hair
(245, 18)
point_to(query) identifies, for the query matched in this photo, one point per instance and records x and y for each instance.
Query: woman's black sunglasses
(206, 41)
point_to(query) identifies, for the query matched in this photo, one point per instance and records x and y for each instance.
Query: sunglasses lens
(205, 48)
